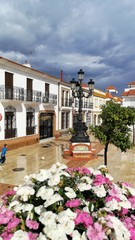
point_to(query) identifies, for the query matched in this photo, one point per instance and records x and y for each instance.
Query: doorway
(46, 125)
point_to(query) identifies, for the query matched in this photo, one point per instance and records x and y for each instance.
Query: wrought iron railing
(51, 98)
(17, 93)
(30, 130)
(10, 133)
(88, 105)
(33, 95)
(14, 93)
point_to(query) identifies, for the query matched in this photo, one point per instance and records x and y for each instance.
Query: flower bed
(69, 204)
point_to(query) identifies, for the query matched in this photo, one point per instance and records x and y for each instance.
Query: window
(10, 122)
(65, 120)
(30, 121)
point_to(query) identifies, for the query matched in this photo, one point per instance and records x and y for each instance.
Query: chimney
(61, 76)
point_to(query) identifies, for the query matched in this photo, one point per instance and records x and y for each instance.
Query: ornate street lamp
(80, 127)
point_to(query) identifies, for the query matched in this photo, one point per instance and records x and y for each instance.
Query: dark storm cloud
(97, 36)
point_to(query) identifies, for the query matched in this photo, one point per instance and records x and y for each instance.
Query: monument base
(79, 151)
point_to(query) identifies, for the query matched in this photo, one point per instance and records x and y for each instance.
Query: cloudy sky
(53, 35)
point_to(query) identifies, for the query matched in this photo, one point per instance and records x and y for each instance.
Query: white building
(129, 95)
(36, 106)
(28, 104)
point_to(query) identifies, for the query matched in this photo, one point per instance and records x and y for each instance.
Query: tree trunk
(105, 153)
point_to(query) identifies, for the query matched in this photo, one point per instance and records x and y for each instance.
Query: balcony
(52, 98)
(33, 96)
(20, 94)
(88, 105)
(10, 133)
(13, 93)
(30, 130)
(66, 102)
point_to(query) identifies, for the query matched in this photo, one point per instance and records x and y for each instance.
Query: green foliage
(115, 125)
(71, 130)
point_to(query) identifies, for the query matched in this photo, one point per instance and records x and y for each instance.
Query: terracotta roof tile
(131, 92)
(110, 88)
(131, 83)
(108, 95)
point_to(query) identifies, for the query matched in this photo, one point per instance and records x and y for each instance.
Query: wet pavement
(30, 159)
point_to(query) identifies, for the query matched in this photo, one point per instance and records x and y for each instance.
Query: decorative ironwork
(30, 130)
(14, 93)
(51, 98)
(79, 126)
(10, 133)
(17, 93)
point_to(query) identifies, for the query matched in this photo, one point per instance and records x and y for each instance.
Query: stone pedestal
(79, 151)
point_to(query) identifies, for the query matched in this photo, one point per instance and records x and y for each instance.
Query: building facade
(28, 104)
(35, 106)
(128, 95)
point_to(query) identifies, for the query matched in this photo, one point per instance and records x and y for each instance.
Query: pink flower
(96, 232)
(13, 223)
(85, 170)
(109, 198)
(132, 233)
(84, 218)
(100, 180)
(73, 203)
(132, 201)
(32, 224)
(6, 235)
(32, 236)
(5, 215)
(124, 211)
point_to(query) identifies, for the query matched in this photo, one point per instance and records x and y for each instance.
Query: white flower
(39, 209)
(66, 220)
(28, 179)
(67, 213)
(25, 192)
(125, 204)
(85, 183)
(70, 193)
(27, 207)
(77, 236)
(83, 187)
(57, 167)
(113, 205)
(43, 175)
(20, 235)
(48, 218)
(44, 192)
(54, 180)
(97, 172)
(41, 237)
(53, 199)
(99, 190)
(131, 190)
(121, 231)
(55, 232)
(16, 205)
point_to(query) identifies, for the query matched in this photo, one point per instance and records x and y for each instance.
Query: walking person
(3, 154)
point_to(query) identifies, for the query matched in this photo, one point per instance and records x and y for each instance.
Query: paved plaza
(30, 159)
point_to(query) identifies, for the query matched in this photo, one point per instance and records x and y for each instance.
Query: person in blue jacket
(3, 154)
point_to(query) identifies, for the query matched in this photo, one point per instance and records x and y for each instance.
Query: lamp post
(80, 127)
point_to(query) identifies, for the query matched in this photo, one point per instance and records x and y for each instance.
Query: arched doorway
(46, 125)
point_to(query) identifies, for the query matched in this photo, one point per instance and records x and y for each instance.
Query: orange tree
(115, 127)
